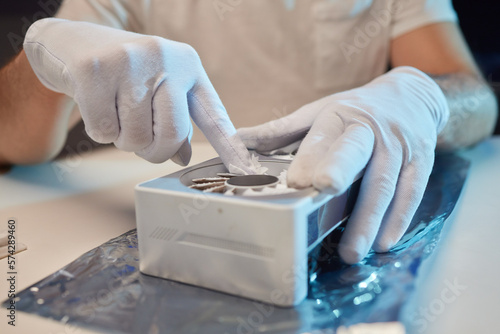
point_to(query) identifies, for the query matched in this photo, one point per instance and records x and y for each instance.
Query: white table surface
(61, 218)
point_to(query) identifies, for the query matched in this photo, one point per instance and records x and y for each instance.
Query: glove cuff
(423, 87)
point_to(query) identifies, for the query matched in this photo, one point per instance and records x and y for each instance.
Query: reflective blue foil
(104, 290)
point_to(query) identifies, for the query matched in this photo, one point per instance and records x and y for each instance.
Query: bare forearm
(473, 110)
(32, 123)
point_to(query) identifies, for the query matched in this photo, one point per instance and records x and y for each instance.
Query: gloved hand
(389, 128)
(134, 90)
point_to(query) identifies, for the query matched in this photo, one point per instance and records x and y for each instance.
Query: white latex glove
(134, 90)
(389, 127)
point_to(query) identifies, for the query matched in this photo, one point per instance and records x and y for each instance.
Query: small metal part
(252, 181)
(210, 179)
(233, 184)
(227, 175)
(203, 186)
(217, 189)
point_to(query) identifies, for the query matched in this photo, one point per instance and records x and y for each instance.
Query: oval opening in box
(275, 168)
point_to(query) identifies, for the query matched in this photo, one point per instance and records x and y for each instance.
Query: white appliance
(255, 247)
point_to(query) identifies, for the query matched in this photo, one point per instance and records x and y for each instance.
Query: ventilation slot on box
(236, 246)
(163, 233)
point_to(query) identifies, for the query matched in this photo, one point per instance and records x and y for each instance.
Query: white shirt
(266, 58)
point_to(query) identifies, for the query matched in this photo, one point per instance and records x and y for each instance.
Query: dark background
(479, 21)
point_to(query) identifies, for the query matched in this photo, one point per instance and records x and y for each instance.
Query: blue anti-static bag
(104, 290)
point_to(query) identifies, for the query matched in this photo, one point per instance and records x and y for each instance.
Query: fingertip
(107, 133)
(382, 248)
(153, 158)
(299, 175)
(350, 255)
(353, 249)
(183, 155)
(392, 228)
(332, 181)
(384, 244)
(298, 183)
(179, 161)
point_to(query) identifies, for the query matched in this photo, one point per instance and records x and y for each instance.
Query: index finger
(209, 114)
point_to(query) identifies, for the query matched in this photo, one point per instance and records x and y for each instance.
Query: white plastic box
(254, 247)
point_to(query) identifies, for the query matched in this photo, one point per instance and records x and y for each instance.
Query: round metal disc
(252, 180)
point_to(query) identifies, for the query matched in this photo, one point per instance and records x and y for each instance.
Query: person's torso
(268, 58)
